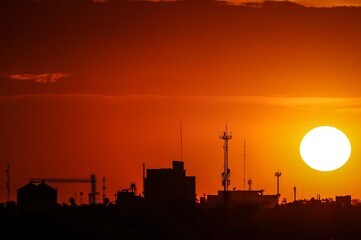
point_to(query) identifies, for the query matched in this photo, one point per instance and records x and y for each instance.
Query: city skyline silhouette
(89, 87)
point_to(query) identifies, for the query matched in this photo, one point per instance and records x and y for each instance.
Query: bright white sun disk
(325, 148)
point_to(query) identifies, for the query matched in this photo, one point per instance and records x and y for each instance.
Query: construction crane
(91, 180)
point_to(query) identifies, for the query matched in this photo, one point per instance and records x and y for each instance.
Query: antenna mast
(278, 175)
(294, 193)
(225, 136)
(104, 188)
(143, 177)
(8, 180)
(250, 182)
(244, 165)
(181, 142)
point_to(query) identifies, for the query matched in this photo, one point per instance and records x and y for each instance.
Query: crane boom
(91, 180)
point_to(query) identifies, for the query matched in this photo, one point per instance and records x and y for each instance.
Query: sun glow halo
(325, 148)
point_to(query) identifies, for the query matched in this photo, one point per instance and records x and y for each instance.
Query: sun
(325, 148)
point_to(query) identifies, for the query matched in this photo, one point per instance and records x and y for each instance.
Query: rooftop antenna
(81, 198)
(93, 181)
(225, 136)
(104, 188)
(294, 193)
(244, 164)
(133, 188)
(278, 175)
(143, 177)
(8, 181)
(250, 182)
(181, 141)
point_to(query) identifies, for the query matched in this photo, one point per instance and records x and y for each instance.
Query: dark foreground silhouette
(181, 221)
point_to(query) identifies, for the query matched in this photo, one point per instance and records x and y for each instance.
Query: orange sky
(104, 90)
(316, 3)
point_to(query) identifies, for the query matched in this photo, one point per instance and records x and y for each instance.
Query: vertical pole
(8, 181)
(104, 187)
(81, 198)
(143, 179)
(278, 175)
(294, 193)
(181, 142)
(93, 189)
(244, 165)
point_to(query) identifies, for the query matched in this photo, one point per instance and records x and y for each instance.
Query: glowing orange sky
(317, 3)
(103, 91)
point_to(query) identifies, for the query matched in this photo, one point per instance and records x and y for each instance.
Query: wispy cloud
(352, 104)
(340, 104)
(39, 77)
(308, 101)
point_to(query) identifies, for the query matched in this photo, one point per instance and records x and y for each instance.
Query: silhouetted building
(344, 200)
(170, 185)
(125, 197)
(241, 199)
(37, 197)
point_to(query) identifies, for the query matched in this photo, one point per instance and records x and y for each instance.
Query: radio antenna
(244, 164)
(181, 141)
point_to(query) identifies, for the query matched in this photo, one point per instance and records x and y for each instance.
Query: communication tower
(225, 136)
(244, 165)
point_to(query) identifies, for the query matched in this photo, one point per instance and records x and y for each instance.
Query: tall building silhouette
(169, 185)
